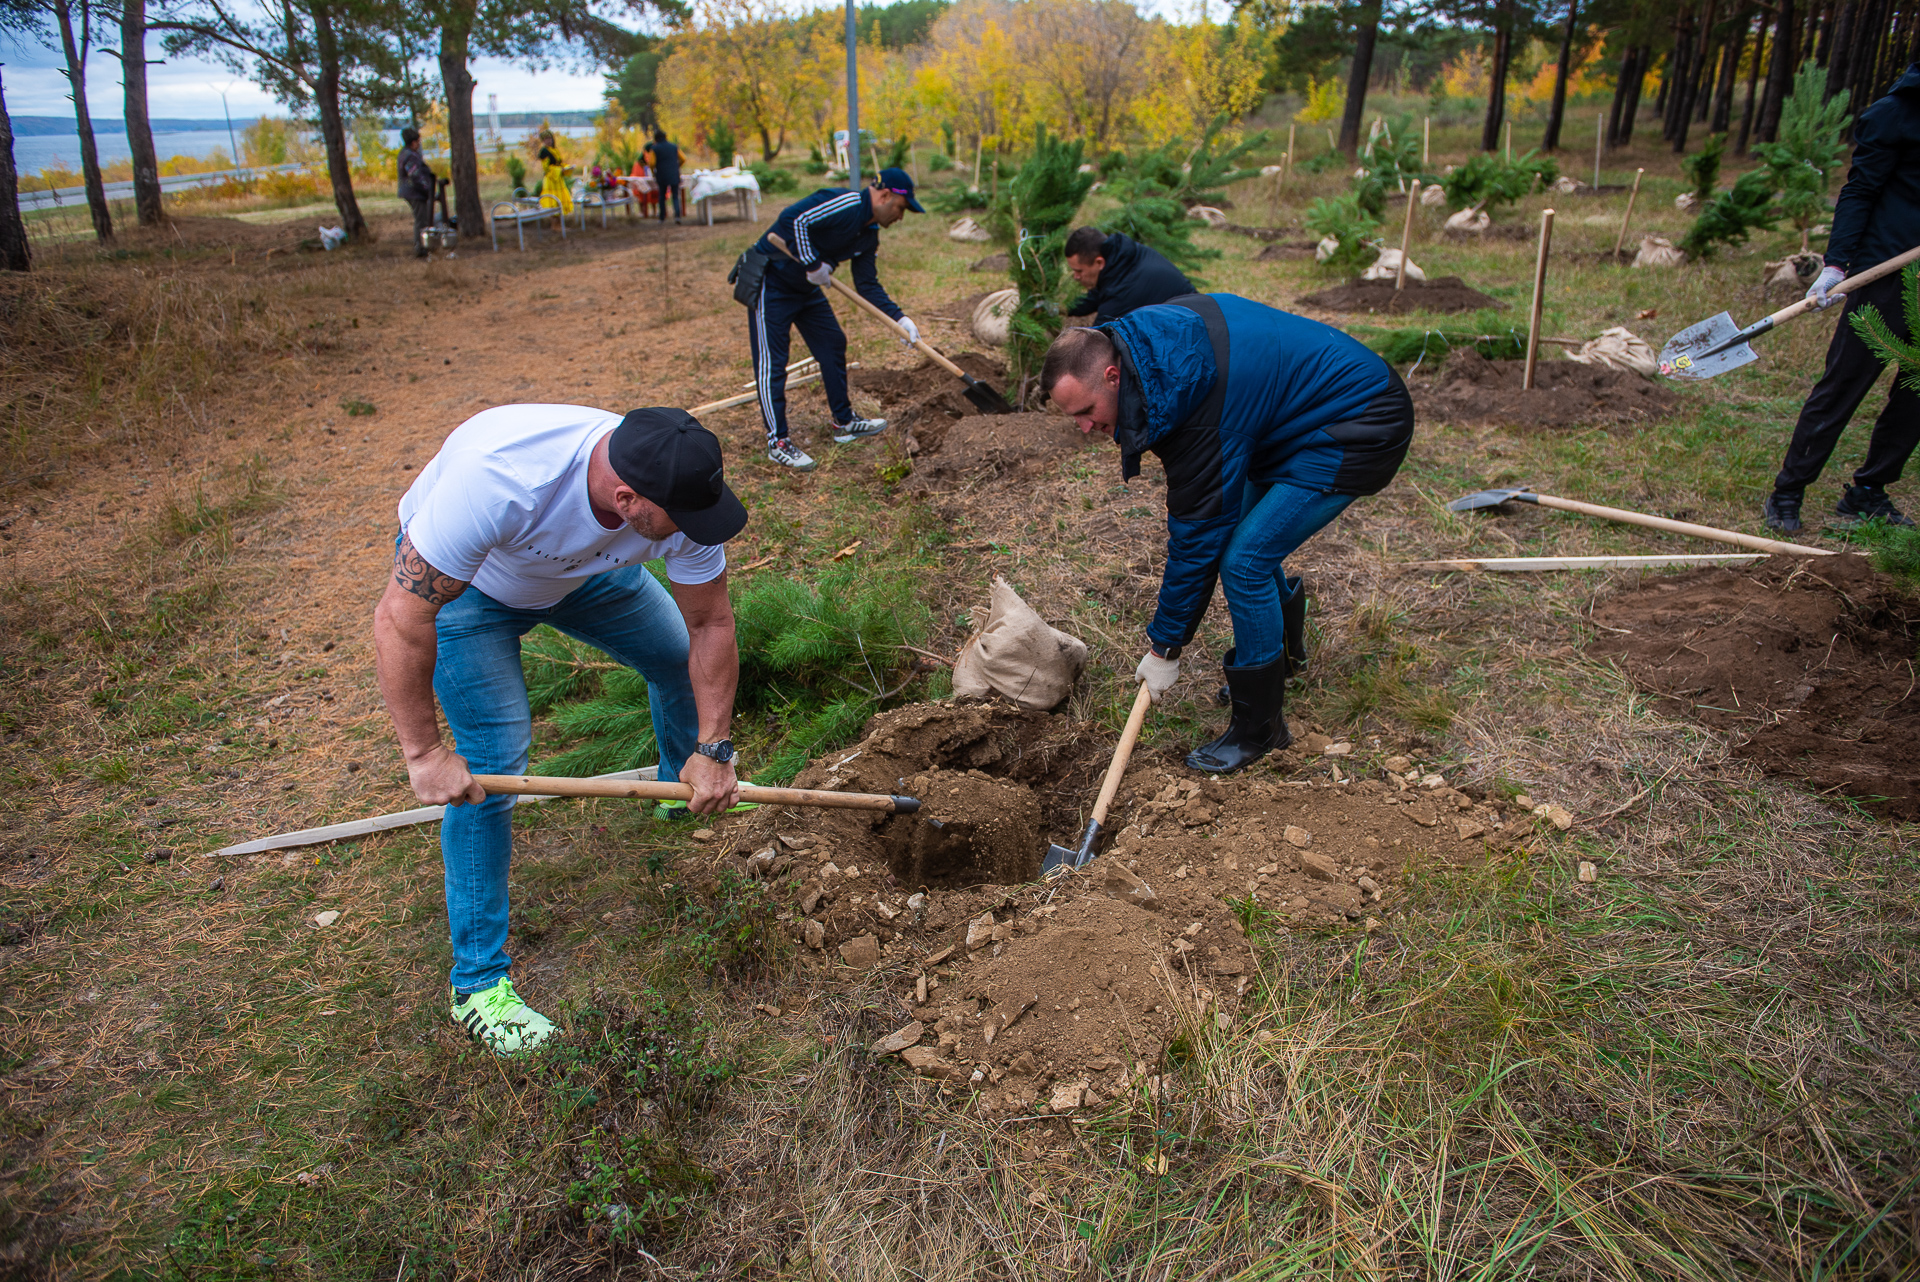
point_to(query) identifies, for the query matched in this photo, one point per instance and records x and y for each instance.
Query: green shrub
(1492, 335)
(1491, 182)
(772, 179)
(939, 162)
(721, 139)
(1345, 218)
(1043, 200)
(1392, 159)
(816, 660)
(517, 175)
(1808, 151)
(1732, 215)
(1879, 337)
(1703, 170)
(957, 199)
(816, 163)
(900, 152)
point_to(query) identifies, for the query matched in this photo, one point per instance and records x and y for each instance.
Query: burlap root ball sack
(1019, 654)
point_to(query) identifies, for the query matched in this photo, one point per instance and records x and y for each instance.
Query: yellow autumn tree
(749, 63)
(1200, 73)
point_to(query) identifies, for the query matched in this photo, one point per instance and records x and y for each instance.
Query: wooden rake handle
(852, 294)
(1627, 517)
(651, 790)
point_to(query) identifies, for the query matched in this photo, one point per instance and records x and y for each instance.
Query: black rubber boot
(1259, 722)
(1293, 618)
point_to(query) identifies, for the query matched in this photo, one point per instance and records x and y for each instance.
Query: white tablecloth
(716, 182)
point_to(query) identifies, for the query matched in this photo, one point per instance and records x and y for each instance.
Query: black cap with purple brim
(900, 182)
(674, 463)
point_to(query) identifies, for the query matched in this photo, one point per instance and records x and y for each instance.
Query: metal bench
(609, 198)
(520, 212)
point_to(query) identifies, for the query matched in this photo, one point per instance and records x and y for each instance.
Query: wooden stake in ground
(1406, 236)
(1628, 216)
(1426, 144)
(1509, 142)
(979, 145)
(1287, 164)
(1539, 297)
(1599, 142)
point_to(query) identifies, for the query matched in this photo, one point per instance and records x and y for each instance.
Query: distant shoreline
(67, 126)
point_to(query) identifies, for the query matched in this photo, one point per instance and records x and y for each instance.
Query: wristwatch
(1164, 651)
(721, 752)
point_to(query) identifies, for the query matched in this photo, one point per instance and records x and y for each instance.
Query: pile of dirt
(995, 263)
(1806, 661)
(1054, 996)
(1441, 294)
(954, 445)
(1291, 250)
(1469, 388)
(1257, 233)
(1497, 231)
(960, 310)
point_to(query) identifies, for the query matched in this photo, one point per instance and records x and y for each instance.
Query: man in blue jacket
(1876, 218)
(1268, 425)
(1119, 274)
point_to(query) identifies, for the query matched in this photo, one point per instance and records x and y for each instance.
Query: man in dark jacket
(666, 174)
(1119, 275)
(1268, 425)
(417, 187)
(1876, 218)
(826, 229)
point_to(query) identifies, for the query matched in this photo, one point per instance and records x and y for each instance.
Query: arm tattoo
(411, 571)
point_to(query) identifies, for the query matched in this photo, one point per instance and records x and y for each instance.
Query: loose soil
(1806, 661)
(952, 443)
(1469, 388)
(1446, 294)
(992, 263)
(1497, 231)
(1080, 984)
(1290, 251)
(1257, 233)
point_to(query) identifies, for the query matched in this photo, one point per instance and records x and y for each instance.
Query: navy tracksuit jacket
(831, 226)
(1227, 392)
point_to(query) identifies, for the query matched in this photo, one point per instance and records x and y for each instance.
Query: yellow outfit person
(555, 184)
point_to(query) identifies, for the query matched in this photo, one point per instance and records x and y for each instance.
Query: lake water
(33, 154)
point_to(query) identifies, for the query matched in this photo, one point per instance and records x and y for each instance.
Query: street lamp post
(853, 98)
(231, 141)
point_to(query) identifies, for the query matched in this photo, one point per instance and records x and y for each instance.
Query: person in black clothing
(1120, 275)
(666, 174)
(780, 293)
(417, 187)
(1876, 218)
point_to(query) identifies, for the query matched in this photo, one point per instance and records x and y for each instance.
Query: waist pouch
(746, 276)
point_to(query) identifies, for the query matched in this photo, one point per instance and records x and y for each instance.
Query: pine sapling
(1879, 337)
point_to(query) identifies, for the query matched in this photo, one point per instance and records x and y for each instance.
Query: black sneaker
(1862, 503)
(1782, 512)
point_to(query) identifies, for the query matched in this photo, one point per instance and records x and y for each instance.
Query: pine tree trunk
(1557, 114)
(1366, 36)
(1631, 110)
(1696, 76)
(1729, 72)
(1779, 72)
(133, 65)
(1497, 87)
(1673, 90)
(333, 132)
(1627, 73)
(1753, 85)
(15, 253)
(83, 120)
(457, 80)
(1666, 87)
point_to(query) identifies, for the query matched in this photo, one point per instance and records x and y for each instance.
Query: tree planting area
(1576, 935)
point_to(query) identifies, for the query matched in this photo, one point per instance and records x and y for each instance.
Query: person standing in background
(417, 187)
(664, 158)
(554, 183)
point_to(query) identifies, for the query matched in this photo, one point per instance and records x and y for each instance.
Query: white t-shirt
(504, 506)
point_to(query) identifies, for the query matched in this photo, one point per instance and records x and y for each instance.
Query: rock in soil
(1444, 294)
(1805, 662)
(1469, 388)
(1084, 980)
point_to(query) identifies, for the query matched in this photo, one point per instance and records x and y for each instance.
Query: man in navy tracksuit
(1877, 217)
(826, 229)
(1268, 425)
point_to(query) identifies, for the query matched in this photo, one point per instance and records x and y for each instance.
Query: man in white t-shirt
(534, 514)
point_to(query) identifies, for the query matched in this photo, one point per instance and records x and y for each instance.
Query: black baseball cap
(673, 462)
(899, 180)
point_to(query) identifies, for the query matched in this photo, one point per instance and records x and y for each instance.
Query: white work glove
(913, 331)
(1158, 673)
(819, 274)
(1823, 283)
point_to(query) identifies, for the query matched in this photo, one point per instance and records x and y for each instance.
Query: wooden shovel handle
(1678, 527)
(1121, 754)
(1848, 285)
(651, 790)
(875, 312)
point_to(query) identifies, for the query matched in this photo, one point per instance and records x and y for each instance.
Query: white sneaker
(787, 454)
(858, 430)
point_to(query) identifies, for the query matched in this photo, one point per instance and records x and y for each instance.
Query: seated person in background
(1120, 275)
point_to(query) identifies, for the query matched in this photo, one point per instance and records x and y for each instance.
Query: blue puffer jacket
(1301, 403)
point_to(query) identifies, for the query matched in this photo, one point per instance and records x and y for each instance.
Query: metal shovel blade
(986, 400)
(1060, 858)
(1711, 347)
(1486, 498)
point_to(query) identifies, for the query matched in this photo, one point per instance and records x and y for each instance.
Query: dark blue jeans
(1278, 518)
(483, 691)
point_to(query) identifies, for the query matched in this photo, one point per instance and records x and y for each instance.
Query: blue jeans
(1278, 518)
(483, 691)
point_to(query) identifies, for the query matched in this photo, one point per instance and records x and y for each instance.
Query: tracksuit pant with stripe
(773, 314)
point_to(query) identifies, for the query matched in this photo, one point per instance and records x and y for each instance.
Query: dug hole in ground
(1048, 996)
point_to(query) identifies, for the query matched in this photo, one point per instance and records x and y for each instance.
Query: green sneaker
(497, 1019)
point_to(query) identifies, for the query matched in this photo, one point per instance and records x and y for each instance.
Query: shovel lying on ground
(1494, 498)
(1716, 345)
(984, 398)
(1059, 857)
(651, 790)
